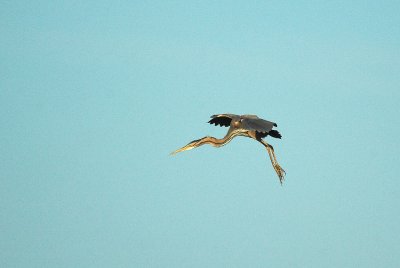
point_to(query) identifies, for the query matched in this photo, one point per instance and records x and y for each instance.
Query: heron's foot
(280, 171)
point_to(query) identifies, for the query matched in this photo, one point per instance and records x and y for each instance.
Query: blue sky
(95, 95)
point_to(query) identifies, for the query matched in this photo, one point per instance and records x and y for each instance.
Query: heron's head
(237, 123)
(189, 146)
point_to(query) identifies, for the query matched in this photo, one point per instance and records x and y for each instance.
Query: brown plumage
(250, 126)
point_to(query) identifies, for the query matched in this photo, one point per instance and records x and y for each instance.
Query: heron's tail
(274, 133)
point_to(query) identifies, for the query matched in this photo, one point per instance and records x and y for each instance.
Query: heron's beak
(184, 148)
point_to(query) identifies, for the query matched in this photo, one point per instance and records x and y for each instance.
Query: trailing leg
(278, 169)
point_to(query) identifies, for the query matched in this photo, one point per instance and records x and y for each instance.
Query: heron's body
(249, 126)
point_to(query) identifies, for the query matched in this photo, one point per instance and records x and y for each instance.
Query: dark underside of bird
(250, 126)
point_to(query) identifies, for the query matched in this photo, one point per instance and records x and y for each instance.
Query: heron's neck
(221, 142)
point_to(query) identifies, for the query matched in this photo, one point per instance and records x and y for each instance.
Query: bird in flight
(250, 126)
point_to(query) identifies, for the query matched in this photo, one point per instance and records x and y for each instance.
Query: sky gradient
(94, 95)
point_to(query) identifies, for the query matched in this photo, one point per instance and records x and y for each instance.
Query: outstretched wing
(222, 119)
(257, 124)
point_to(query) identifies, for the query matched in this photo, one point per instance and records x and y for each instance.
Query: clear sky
(94, 95)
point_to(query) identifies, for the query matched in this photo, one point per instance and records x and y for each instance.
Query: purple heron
(250, 126)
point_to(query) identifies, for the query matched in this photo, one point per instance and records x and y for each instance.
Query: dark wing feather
(222, 119)
(273, 133)
(262, 127)
(258, 124)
